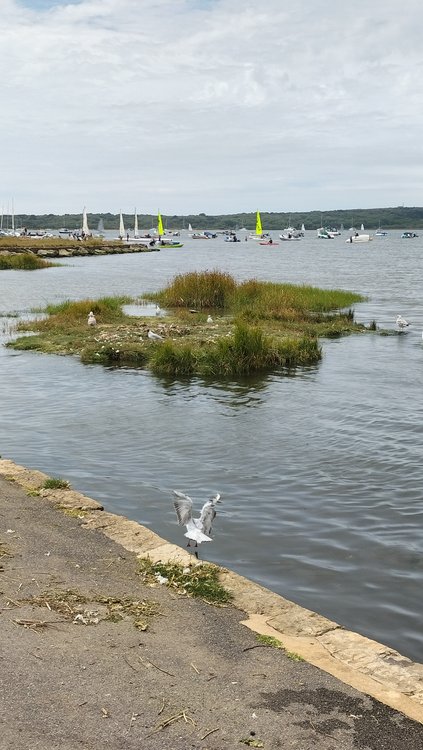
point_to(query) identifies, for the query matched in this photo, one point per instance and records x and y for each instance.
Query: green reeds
(23, 262)
(245, 351)
(253, 299)
(263, 300)
(198, 290)
(71, 314)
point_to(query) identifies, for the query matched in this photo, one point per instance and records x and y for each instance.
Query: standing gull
(91, 319)
(154, 336)
(198, 529)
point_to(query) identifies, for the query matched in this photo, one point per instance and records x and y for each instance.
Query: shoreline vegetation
(212, 327)
(23, 262)
(396, 217)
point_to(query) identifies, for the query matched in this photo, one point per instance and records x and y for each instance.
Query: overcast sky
(210, 105)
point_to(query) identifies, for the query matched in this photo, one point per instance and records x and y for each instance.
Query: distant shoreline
(399, 217)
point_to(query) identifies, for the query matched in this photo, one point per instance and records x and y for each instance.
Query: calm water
(320, 473)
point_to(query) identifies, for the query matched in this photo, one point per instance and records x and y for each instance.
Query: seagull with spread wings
(198, 529)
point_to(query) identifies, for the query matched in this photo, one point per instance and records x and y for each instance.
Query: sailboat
(85, 229)
(100, 227)
(259, 229)
(163, 240)
(135, 224)
(121, 227)
(160, 230)
(381, 232)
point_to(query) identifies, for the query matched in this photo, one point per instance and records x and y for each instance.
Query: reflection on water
(320, 469)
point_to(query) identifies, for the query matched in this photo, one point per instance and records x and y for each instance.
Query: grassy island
(22, 262)
(213, 327)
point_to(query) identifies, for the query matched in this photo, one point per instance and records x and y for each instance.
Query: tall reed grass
(198, 289)
(247, 350)
(23, 262)
(253, 299)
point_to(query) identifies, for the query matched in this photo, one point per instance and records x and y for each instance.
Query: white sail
(85, 229)
(189, 228)
(302, 228)
(121, 226)
(362, 227)
(100, 227)
(136, 224)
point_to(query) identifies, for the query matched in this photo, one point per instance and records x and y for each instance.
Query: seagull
(154, 336)
(91, 319)
(198, 529)
(210, 319)
(158, 310)
(402, 322)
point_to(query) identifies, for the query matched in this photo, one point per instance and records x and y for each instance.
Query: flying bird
(91, 319)
(154, 336)
(198, 529)
(402, 322)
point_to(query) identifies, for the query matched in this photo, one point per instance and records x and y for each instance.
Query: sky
(213, 106)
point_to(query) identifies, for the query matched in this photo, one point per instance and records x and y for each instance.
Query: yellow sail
(259, 228)
(160, 230)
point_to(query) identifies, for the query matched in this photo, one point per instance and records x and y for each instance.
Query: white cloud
(210, 106)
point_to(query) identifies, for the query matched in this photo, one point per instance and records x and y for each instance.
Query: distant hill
(401, 217)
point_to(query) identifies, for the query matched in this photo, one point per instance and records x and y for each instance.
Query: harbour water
(320, 471)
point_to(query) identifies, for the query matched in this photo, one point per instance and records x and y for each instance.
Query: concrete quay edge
(362, 663)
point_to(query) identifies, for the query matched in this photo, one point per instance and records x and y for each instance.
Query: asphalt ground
(76, 672)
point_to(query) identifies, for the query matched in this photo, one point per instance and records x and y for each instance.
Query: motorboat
(408, 235)
(289, 236)
(380, 233)
(324, 234)
(359, 238)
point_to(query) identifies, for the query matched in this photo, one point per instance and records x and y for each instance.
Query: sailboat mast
(135, 223)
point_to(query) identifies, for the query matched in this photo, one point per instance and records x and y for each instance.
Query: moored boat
(359, 238)
(408, 235)
(324, 234)
(289, 237)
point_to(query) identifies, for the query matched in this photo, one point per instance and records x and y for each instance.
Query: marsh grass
(259, 300)
(258, 327)
(200, 581)
(23, 262)
(74, 314)
(198, 290)
(248, 349)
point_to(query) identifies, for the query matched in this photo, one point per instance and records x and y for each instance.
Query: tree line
(401, 217)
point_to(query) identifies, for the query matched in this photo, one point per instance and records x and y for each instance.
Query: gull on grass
(154, 336)
(91, 319)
